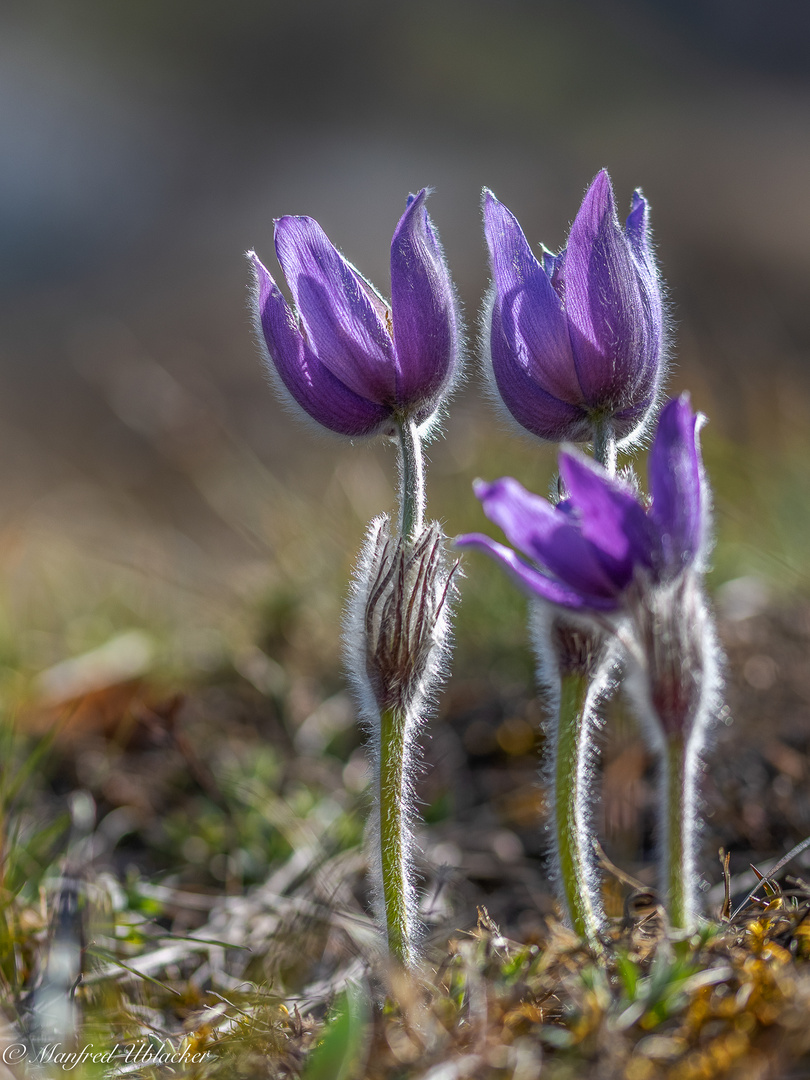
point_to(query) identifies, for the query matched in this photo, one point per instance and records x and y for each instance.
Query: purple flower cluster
(574, 346)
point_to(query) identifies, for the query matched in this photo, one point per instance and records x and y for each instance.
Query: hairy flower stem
(604, 444)
(394, 834)
(571, 835)
(677, 856)
(397, 630)
(411, 481)
(394, 830)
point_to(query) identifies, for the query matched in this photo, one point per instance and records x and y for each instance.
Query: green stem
(411, 481)
(393, 834)
(677, 870)
(604, 444)
(570, 833)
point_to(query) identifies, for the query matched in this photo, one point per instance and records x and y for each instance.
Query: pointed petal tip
(265, 282)
(639, 207)
(483, 488)
(410, 215)
(600, 190)
(257, 264)
(466, 540)
(490, 201)
(597, 210)
(497, 215)
(419, 197)
(683, 405)
(603, 179)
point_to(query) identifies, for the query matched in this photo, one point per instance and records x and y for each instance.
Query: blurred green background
(149, 477)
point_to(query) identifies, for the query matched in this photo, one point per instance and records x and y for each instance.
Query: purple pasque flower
(576, 340)
(588, 551)
(351, 361)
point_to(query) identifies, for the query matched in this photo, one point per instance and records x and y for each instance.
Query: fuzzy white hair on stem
(568, 645)
(674, 684)
(397, 644)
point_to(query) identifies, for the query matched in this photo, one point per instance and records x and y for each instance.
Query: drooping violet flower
(575, 341)
(587, 552)
(635, 571)
(354, 363)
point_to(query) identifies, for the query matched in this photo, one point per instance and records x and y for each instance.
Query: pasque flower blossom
(575, 340)
(352, 362)
(588, 551)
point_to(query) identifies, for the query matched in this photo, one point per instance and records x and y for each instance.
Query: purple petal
(532, 580)
(553, 264)
(627, 420)
(550, 537)
(637, 228)
(611, 336)
(610, 517)
(638, 234)
(533, 407)
(339, 310)
(532, 320)
(309, 382)
(525, 518)
(423, 309)
(679, 506)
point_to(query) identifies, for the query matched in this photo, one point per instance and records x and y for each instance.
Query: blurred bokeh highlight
(149, 478)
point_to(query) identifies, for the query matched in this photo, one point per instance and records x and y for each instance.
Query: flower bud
(673, 673)
(403, 615)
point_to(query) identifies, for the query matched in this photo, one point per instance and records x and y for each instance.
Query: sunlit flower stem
(679, 829)
(394, 830)
(397, 890)
(572, 835)
(411, 480)
(397, 646)
(604, 444)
